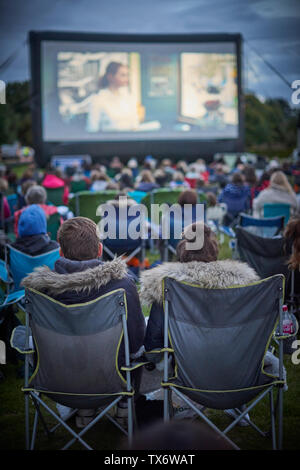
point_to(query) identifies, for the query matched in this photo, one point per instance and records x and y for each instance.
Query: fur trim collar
(214, 275)
(43, 279)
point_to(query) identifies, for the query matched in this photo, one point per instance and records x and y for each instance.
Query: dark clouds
(272, 27)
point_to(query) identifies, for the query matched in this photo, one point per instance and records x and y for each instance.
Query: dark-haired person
(79, 276)
(113, 108)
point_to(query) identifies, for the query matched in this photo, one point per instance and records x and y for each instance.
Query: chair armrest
(18, 340)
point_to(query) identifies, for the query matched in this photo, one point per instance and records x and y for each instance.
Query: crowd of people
(80, 275)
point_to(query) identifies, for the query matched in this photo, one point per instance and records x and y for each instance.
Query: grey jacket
(274, 194)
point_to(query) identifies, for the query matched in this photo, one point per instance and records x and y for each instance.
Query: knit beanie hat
(32, 221)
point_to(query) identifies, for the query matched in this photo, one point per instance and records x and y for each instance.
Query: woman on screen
(113, 108)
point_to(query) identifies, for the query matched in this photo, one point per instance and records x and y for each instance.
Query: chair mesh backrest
(22, 264)
(220, 335)
(273, 210)
(265, 227)
(77, 344)
(266, 255)
(87, 203)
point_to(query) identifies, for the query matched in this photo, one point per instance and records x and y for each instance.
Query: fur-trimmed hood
(86, 276)
(213, 275)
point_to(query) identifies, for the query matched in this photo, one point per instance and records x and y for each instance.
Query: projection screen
(143, 90)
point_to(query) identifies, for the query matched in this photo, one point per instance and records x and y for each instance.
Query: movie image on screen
(138, 92)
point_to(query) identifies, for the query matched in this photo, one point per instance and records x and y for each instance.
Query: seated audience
(146, 182)
(236, 196)
(99, 181)
(125, 180)
(32, 229)
(79, 276)
(199, 267)
(178, 181)
(279, 191)
(35, 195)
(195, 266)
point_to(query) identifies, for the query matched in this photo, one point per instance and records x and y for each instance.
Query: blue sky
(272, 27)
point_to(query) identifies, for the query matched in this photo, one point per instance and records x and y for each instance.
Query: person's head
(26, 185)
(211, 199)
(146, 177)
(116, 76)
(32, 221)
(292, 234)
(98, 176)
(178, 177)
(250, 175)
(209, 250)
(36, 195)
(3, 185)
(237, 179)
(79, 239)
(188, 197)
(160, 177)
(278, 178)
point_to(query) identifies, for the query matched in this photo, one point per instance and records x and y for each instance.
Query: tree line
(270, 126)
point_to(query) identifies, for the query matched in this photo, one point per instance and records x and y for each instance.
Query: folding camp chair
(77, 186)
(55, 195)
(161, 196)
(76, 363)
(264, 227)
(268, 256)
(128, 246)
(86, 203)
(21, 264)
(275, 210)
(219, 339)
(53, 224)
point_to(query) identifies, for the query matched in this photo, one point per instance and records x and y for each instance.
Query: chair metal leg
(166, 406)
(27, 428)
(36, 417)
(280, 414)
(130, 420)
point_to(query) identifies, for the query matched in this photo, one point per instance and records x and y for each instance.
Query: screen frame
(183, 149)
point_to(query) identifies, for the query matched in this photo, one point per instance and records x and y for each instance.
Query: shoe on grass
(234, 414)
(84, 417)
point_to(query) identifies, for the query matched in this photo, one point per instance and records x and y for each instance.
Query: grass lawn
(104, 436)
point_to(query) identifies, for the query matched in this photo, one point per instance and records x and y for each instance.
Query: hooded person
(32, 229)
(194, 266)
(236, 196)
(79, 276)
